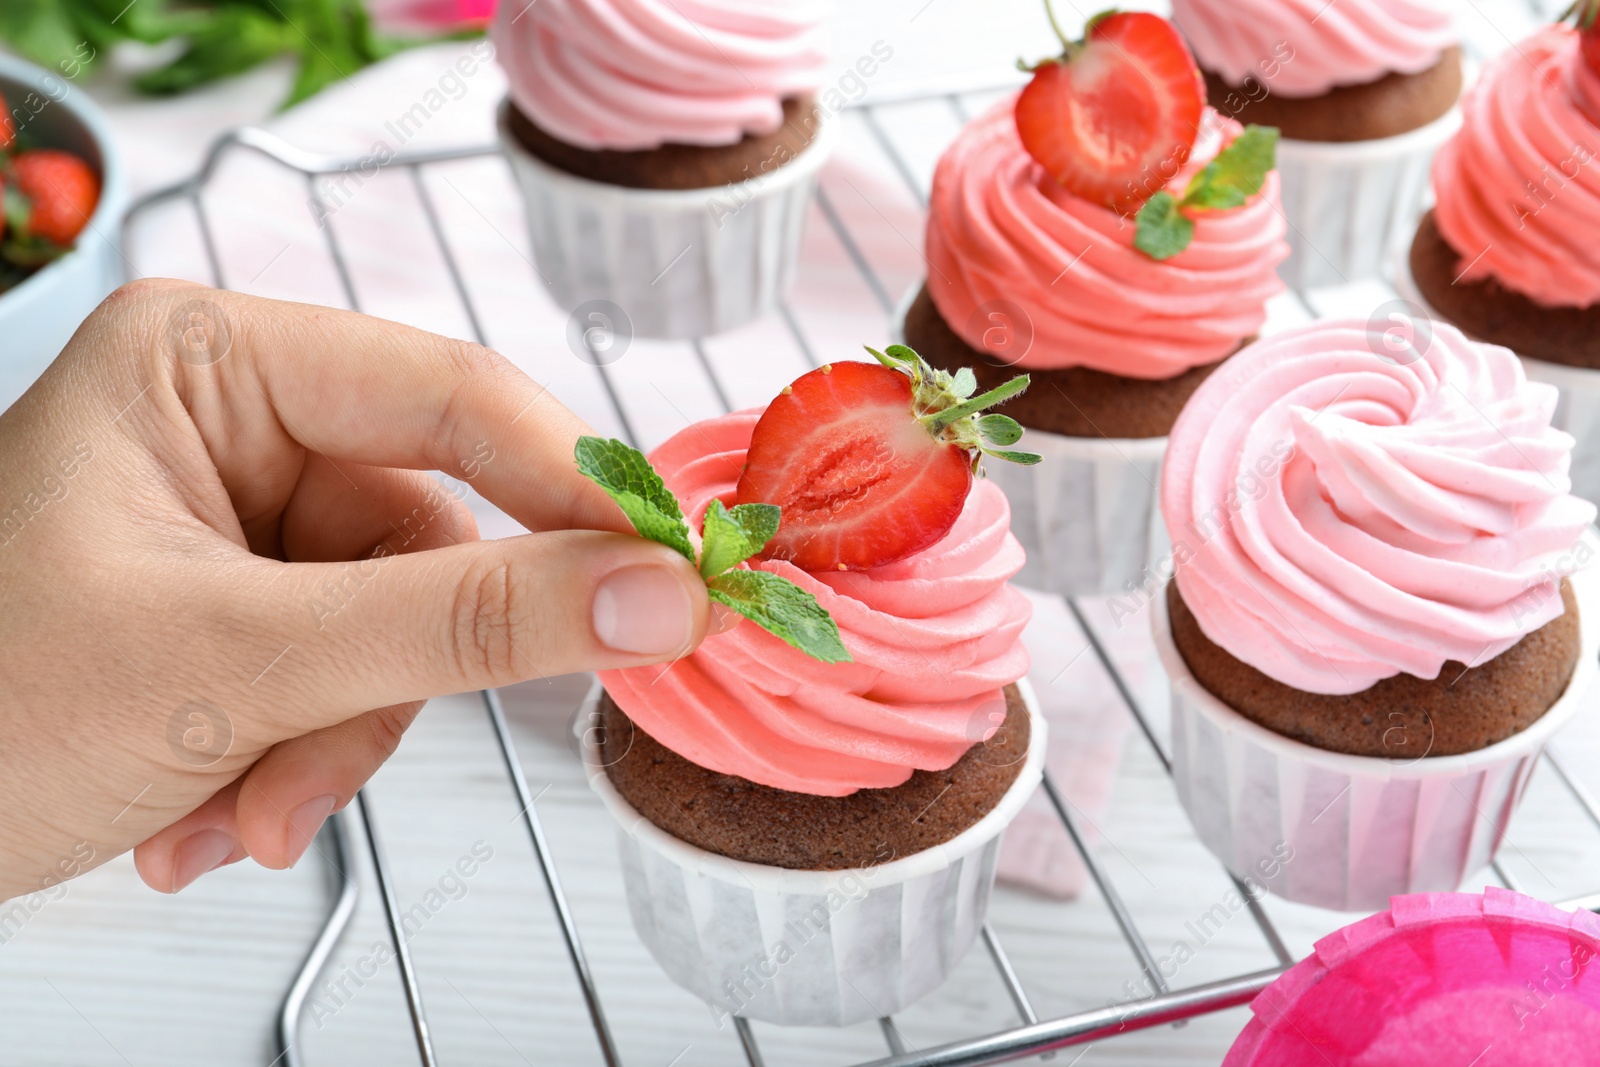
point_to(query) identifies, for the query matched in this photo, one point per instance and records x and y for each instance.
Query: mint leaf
(782, 608)
(230, 41)
(731, 537)
(1162, 231)
(1238, 172)
(728, 539)
(624, 473)
(1228, 181)
(41, 30)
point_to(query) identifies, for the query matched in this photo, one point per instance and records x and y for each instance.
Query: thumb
(397, 628)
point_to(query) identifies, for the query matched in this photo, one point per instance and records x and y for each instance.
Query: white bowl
(38, 316)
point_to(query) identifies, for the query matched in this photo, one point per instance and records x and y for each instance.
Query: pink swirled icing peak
(1005, 238)
(934, 638)
(1302, 48)
(1519, 185)
(1339, 516)
(636, 74)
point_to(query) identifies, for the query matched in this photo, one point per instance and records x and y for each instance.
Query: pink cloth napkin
(269, 242)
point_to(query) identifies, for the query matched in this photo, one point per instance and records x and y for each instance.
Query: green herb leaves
(332, 39)
(1228, 181)
(729, 538)
(628, 478)
(778, 605)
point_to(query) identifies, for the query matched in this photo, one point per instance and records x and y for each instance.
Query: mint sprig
(728, 538)
(628, 478)
(214, 39)
(1228, 181)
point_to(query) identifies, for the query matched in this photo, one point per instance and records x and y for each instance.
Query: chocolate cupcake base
(742, 820)
(1404, 717)
(677, 166)
(1488, 311)
(1392, 105)
(1074, 401)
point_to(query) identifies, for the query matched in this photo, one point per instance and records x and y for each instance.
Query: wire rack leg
(552, 880)
(336, 834)
(402, 951)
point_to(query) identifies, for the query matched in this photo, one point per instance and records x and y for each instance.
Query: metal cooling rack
(1032, 1036)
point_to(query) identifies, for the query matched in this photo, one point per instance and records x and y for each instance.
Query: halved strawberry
(61, 189)
(8, 128)
(1116, 116)
(872, 462)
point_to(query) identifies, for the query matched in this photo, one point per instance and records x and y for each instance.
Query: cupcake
(1509, 254)
(1045, 254)
(1375, 622)
(810, 824)
(665, 155)
(1364, 92)
(1496, 978)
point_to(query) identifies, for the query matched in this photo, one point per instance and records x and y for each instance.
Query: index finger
(263, 378)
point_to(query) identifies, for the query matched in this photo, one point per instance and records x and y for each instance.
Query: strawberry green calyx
(1163, 226)
(1070, 47)
(1585, 14)
(729, 536)
(943, 403)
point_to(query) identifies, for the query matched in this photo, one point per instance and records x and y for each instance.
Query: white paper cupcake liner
(678, 262)
(1350, 204)
(809, 948)
(1578, 412)
(1348, 832)
(1088, 517)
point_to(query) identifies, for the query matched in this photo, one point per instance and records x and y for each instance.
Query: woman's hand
(228, 587)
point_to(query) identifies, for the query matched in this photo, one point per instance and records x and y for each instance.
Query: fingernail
(304, 822)
(199, 853)
(644, 610)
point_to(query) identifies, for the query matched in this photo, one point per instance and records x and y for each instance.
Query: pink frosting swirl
(1003, 234)
(1519, 185)
(934, 639)
(636, 74)
(1339, 516)
(1302, 48)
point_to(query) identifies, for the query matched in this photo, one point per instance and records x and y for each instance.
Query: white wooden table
(112, 973)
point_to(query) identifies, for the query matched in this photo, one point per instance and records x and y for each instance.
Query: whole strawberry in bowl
(61, 203)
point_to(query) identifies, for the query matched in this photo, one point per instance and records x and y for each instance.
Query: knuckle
(475, 372)
(489, 621)
(385, 727)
